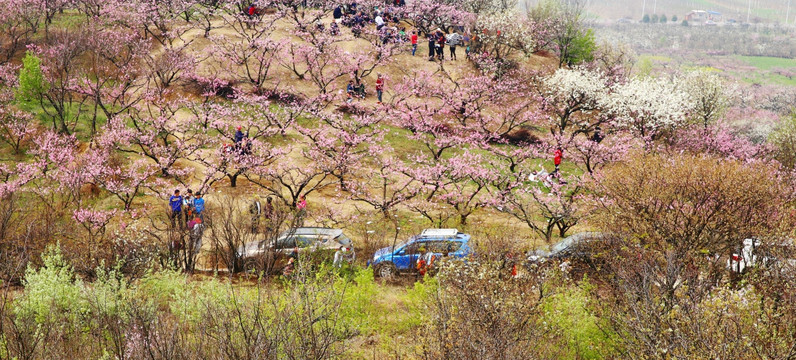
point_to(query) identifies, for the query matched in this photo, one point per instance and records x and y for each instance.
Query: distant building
(698, 16)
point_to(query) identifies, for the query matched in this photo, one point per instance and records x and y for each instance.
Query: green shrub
(567, 314)
(31, 80)
(51, 292)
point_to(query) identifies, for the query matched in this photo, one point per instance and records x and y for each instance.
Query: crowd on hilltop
(388, 26)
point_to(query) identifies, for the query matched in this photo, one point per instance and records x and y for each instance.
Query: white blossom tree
(709, 94)
(648, 105)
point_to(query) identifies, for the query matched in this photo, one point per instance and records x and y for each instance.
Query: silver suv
(324, 242)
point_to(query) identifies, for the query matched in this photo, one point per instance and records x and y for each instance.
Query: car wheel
(386, 271)
(250, 267)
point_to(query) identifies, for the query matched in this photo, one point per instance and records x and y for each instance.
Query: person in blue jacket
(175, 202)
(199, 206)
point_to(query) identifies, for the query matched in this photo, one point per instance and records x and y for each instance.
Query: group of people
(350, 16)
(187, 212)
(186, 208)
(356, 89)
(438, 39)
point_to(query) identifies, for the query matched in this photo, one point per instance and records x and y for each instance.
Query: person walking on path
(175, 202)
(379, 87)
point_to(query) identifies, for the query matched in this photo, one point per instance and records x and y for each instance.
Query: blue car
(403, 257)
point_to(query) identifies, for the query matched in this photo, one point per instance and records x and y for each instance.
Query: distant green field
(765, 75)
(765, 72)
(768, 63)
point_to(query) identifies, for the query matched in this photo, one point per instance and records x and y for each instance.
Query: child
(350, 91)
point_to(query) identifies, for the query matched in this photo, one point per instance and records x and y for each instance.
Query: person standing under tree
(269, 215)
(414, 42)
(557, 157)
(255, 210)
(199, 206)
(432, 43)
(301, 207)
(379, 87)
(187, 205)
(454, 40)
(175, 202)
(440, 45)
(466, 44)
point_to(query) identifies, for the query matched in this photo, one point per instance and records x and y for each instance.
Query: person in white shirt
(379, 22)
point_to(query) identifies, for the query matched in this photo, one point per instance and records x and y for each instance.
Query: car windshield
(563, 244)
(400, 245)
(343, 240)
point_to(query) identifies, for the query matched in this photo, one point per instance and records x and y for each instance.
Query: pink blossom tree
(382, 182)
(60, 62)
(555, 200)
(250, 47)
(112, 75)
(158, 132)
(19, 22)
(428, 15)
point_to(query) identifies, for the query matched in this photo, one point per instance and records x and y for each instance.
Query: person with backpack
(379, 87)
(175, 203)
(199, 206)
(414, 42)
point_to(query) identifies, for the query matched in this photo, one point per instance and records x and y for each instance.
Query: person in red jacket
(414, 42)
(440, 45)
(379, 87)
(557, 156)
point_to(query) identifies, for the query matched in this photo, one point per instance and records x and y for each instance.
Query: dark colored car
(577, 246)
